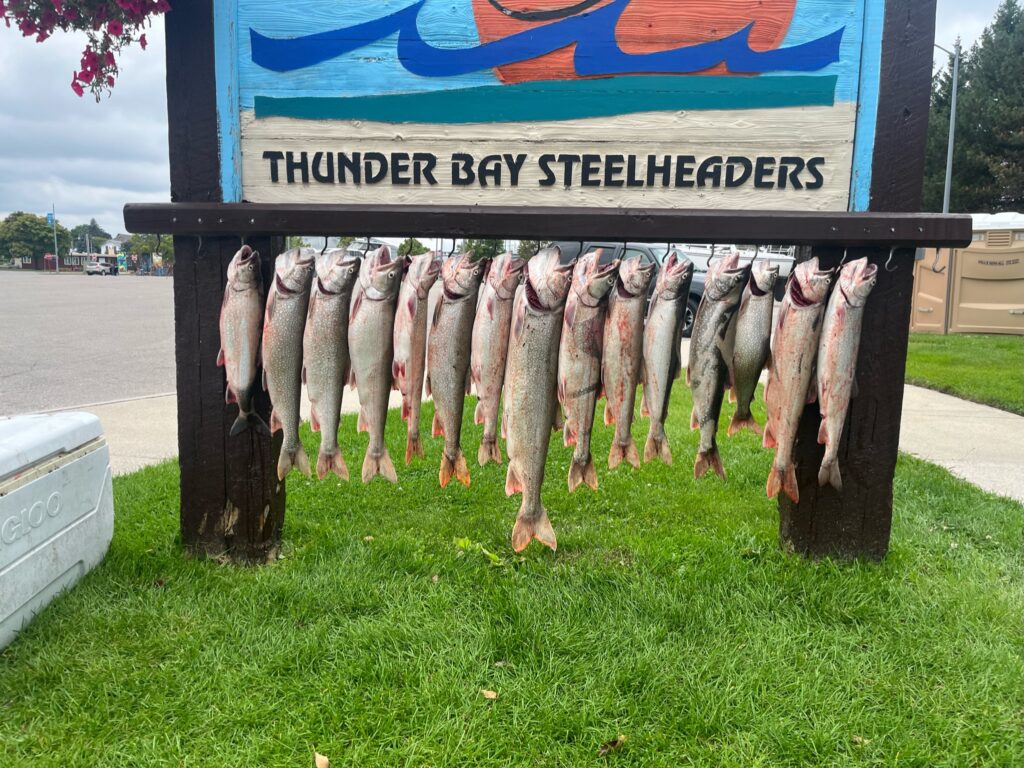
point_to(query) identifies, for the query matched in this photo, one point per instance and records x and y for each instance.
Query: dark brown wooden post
(232, 505)
(857, 522)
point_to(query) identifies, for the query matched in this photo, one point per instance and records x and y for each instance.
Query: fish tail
(829, 474)
(533, 523)
(657, 446)
(740, 422)
(623, 451)
(241, 423)
(331, 461)
(488, 451)
(582, 471)
(708, 460)
(453, 468)
(379, 464)
(783, 480)
(413, 447)
(295, 459)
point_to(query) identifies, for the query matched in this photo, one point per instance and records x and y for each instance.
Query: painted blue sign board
(745, 104)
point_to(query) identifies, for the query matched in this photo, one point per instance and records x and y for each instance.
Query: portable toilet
(56, 510)
(988, 278)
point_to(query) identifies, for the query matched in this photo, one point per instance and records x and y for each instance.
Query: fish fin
(829, 475)
(785, 481)
(559, 421)
(739, 423)
(314, 422)
(512, 482)
(626, 451)
(657, 447)
(518, 319)
(362, 425)
(261, 425)
(478, 413)
(263, 377)
(475, 374)
(694, 423)
(229, 396)
(488, 451)
(461, 469)
(706, 461)
(395, 371)
(275, 422)
(413, 447)
(437, 313)
(609, 415)
(379, 465)
(357, 302)
(769, 441)
(406, 409)
(436, 428)
(732, 393)
(220, 357)
(290, 460)
(812, 392)
(533, 525)
(581, 472)
(645, 412)
(241, 424)
(569, 314)
(331, 462)
(823, 433)
(569, 435)
(410, 305)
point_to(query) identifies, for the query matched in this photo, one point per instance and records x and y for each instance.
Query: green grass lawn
(669, 615)
(985, 369)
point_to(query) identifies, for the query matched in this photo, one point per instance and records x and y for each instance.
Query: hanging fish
(448, 352)
(623, 355)
(371, 328)
(708, 371)
(490, 347)
(283, 326)
(790, 381)
(752, 345)
(410, 340)
(530, 390)
(241, 316)
(326, 363)
(837, 359)
(579, 359)
(663, 334)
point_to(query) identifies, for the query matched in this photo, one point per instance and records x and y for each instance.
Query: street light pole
(56, 253)
(955, 53)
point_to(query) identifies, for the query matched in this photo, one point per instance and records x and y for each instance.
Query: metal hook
(935, 264)
(846, 252)
(887, 261)
(366, 250)
(325, 246)
(199, 247)
(453, 248)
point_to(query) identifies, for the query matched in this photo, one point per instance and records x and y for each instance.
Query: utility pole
(56, 252)
(955, 53)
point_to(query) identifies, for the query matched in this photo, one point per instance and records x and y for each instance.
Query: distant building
(115, 245)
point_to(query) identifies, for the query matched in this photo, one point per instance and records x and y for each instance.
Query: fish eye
(476, 271)
(391, 275)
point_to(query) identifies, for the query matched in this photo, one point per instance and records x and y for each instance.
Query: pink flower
(115, 28)
(78, 89)
(110, 80)
(142, 42)
(59, 6)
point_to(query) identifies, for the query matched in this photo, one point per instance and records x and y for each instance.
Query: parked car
(100, 268)
(782, 256)
(650, 253)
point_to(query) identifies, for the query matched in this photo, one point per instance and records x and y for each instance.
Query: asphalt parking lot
(68, 340)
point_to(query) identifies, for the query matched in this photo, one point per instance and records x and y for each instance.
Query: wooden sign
(741, 104)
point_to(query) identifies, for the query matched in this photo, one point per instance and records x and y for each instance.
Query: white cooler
(56, 510)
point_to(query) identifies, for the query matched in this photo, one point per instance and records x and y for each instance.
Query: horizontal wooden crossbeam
(904, 230)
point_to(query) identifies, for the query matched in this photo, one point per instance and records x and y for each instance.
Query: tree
(483, 249)
(411, 247)
(988, 160)
(27, 235)
(527, 248)
(85, 235)
(150, 244)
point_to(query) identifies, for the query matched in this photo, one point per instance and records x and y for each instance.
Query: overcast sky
(90, 159)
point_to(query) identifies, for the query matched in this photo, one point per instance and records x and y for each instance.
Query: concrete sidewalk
(982, 445)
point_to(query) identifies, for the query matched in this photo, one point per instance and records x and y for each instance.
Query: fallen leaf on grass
(500, 664)
(860, 741)
(489, 695)
(367, 538)
(320, 761)
(435, 578)
(610, 746)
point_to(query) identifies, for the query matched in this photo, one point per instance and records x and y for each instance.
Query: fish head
(244, 269)
(382, 274)
(592, 280)
(809, 284)
(676, 272)
(856, 280)
(762, 278)
(635, 276)
(422, 272)
(336, 271)
(728, 262)
(548, 280)
(293, 271)
(461, 276)
(505, 274)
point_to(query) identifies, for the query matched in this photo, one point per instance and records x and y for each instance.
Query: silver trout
(490, 346)
(837, 360)
(662, 338)
(579, 359)
(410, 341)
(530, 383)
(708, 370)
(790, 381)
(241, 316)
(752, 345)
(623, 356)
(448, 352)
(326, 363)
(283, 327)
(371, 324)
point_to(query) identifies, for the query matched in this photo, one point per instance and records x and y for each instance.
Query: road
(69, 340)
